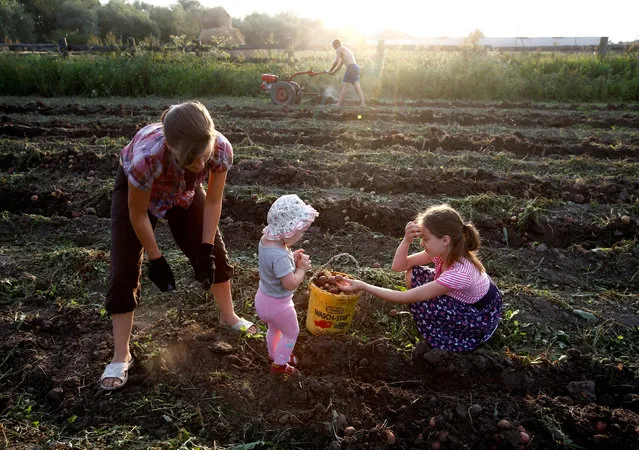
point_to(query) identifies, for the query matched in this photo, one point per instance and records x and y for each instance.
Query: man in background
(344, 55)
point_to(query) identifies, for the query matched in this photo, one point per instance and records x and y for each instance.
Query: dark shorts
(452, 325)
(123, 292)
(352, 74)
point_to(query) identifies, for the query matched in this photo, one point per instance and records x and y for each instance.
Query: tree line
(89, 21)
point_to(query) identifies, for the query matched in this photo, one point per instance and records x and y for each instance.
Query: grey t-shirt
(273, 263)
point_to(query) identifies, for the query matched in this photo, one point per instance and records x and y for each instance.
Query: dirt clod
(475, 410)
(582, 390)
(56, 394)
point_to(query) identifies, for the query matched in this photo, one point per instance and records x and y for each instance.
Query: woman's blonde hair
(442, 220)
(188, 130)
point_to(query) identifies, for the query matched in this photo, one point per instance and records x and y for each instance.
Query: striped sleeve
(458, 277)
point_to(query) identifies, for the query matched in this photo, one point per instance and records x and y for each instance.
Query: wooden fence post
(603, 47)
(289, 50)
(380, 55)
(63, 47)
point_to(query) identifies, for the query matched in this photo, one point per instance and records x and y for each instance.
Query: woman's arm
(138, 214)
(213, 205)
(424, 292)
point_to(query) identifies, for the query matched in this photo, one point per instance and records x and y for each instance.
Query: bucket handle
(343, 255)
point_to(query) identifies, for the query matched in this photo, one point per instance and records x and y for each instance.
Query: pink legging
(283, 329)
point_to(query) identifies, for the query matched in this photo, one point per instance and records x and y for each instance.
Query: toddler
(281, 272)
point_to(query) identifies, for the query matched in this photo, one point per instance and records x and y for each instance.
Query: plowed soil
(552, 188)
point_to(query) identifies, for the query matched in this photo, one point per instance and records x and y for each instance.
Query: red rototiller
(287, 92)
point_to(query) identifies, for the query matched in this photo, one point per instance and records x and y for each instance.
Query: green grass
(403, 75)
(26, 423)
(113, 75)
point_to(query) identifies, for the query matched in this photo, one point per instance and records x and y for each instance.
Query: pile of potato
(329, 281)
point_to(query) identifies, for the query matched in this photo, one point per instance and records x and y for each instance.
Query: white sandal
(119, 370)
(241, 325)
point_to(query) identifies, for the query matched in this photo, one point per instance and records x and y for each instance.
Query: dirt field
(553, 190)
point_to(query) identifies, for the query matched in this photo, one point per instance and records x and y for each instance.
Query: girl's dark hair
(442, 220)
(189, 130)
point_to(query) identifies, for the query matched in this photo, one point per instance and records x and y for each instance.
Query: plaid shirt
(149, 165)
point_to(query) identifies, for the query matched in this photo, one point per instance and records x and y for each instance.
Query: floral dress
(453, 325)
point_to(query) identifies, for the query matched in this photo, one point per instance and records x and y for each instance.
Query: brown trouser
(123, 292)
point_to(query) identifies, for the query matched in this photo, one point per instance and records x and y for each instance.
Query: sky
(456, 18)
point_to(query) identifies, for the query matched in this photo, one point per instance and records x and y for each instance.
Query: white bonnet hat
(288, 215)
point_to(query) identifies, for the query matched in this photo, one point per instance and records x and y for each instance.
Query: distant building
(396, 38)
(527, 42)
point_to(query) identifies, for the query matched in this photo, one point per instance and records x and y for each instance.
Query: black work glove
(205, 266)
(161, 274)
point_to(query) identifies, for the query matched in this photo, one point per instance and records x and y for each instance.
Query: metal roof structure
(496, 42)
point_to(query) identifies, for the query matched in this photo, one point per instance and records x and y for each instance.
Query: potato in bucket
(330, 311)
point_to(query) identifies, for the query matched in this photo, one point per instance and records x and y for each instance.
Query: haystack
(216, 25)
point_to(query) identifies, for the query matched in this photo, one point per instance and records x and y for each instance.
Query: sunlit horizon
(419, 19)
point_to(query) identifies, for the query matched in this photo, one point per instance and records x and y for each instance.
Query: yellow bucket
(329, 313)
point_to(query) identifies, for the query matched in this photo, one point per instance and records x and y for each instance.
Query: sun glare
(454, 18)
(495, 18)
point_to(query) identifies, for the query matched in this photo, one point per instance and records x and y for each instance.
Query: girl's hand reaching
(349, 285)
(412, 230)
